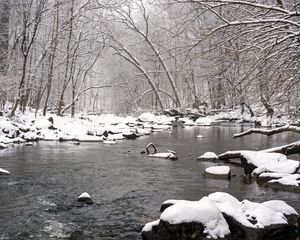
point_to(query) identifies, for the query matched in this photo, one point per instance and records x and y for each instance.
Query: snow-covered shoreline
(97, 128)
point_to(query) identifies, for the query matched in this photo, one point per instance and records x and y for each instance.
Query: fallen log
(292, 148)
(268, 132)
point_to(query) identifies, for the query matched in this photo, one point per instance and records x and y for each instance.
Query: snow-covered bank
(222, 216)
(84, 128)
(94, 128)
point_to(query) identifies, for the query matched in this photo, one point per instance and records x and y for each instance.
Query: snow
(2, 146)
(3, 171)
(30, 136)
(274, 175)
(147, 117)
(187, 121)
(144, 131)
(204, 211)
(42, 123)
(264, 216)
(251, 214)
(208, 155)
(84, 195)
(204, 121)
(280, 206)
(148, 227)
(165, 155)
(86, 138)
(174, 201)
(218, 170)
(230, 206)
(151, 118)
(290, 180)
(110, 142)
(273, 162)
(199, 136)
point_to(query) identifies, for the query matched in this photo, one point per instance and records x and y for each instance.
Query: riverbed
(39, 200)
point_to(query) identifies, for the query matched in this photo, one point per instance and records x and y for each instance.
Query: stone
(222, 172)
(85, 198)
(130, 135)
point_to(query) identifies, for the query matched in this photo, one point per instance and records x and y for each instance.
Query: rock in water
(218, 172)
(130, 135)
(3, 146)
(85, 198)
(209, 156)
(4, 172)
(222, 216)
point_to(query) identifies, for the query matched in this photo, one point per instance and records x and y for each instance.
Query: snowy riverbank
(109, 127)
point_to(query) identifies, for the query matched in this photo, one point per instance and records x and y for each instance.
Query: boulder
(188, 220)
(131, 135)
(208, 156)
(165, 155)
(222, 216)
(257, 221)
(85, 198)
(266, 177)
(271, 162)
(218, 172)
(3, 146)
(4, 172)
(290, 182)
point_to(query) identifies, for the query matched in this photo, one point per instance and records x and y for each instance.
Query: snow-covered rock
(4, 172)
(199, 136)
(218, 214)
(30, 136)
(3, 146)
(43, 123)
(109, 142)
(210, 156)
(189, 220)
(147, 117)
(218, 171)
(290, 180)
(204, 121)
(267, 176)
(144, 131)
(271, 162)
(187, 121)
(85, 198)
(165, 155)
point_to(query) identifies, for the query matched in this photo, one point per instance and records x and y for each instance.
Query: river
(39, 200)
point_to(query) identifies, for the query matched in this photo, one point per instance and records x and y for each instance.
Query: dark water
(39, 200)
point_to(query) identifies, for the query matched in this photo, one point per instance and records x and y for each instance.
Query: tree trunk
(53, 48)
(65, 81)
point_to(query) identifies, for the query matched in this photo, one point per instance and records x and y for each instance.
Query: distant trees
(260, 36)
(68, 55)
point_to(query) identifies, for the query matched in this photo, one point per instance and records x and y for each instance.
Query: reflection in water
(39, 200)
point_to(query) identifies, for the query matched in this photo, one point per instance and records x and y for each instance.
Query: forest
(68, 56)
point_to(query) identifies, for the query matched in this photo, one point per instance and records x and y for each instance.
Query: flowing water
(39, 200)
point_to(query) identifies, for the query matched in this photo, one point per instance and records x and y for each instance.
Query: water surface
(39, 200)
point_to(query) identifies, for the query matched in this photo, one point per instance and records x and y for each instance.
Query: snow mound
(204, 211)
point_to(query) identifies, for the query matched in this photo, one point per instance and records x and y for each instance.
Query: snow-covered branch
(268, 131)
